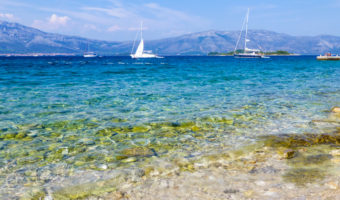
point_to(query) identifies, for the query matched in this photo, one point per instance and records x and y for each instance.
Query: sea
(69, 122)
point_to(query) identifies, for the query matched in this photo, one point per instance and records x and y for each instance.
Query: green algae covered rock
(110, 131)
(300, 140)
(138, 152)
(308, 155)
(289, 153)
(88, 190)
(69, 125)
(302, 176)
(29, 160)
(317, 160)
(21, 135)
(34, 194)
(140, 129)
(220, 120)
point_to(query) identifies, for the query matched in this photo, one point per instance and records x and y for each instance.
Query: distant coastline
(199, 43)
(275, 53)
(35, 54)
(115, 55)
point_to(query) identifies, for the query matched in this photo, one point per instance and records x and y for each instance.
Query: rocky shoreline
(277, 166)
(287, 166)
(308, 169)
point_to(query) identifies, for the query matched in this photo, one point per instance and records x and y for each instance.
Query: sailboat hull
(89, 55)
(144, 55)
(247, 56)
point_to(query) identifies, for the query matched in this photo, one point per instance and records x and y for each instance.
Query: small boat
(140, 52)
(89, 54)
(328, 56)
(247, 53)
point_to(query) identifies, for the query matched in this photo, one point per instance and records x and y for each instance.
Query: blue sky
(117, 20)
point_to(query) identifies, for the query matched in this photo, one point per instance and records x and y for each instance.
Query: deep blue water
(83, 113)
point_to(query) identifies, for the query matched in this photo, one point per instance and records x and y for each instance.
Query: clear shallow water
(63, 116)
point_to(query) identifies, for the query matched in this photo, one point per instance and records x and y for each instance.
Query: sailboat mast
(245, 40)
(141, 30)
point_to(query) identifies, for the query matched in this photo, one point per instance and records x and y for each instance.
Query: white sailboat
(89, 54)
(140, 52)
(247, 53)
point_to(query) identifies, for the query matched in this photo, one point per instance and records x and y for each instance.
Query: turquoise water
(61, 116)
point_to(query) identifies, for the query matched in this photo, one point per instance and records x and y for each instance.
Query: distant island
(271, 53)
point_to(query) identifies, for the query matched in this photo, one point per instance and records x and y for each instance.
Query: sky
(118, 20)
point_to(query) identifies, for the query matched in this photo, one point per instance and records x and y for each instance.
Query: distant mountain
(16, 38)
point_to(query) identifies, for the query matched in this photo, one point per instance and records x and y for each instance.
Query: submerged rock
(138, 152)
(128, 160)
(300, 140)
(335, 152)
(302, 176)
(332, 185)
(289, 153)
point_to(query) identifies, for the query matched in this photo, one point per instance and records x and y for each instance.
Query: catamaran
(140, 52)
(328, 56)
(247, 53)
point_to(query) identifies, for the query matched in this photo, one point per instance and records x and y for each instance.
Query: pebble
(103, 166)
(289, 153)
(127, 160)
(260, 183)
(332, 185)
(290, 186)
(48, 197)
(335, 152)
(65, 151)
(164, 184)
(336, 159)
(270, 193)
(248, 193)
(335, 109)
(231, 191)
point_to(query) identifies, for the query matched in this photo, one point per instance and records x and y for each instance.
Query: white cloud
(52, 23)
(58, 21)
(6, 16)
(114, 12)
(120, 17)
(124, 16)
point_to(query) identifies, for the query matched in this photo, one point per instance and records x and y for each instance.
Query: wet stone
(86, 142)
(231, 191)
(311, 160)
(335, 152)
(335, 109)
(289, 153)
(128, 160)
(300, 140)
(265, 170)
(302, 176)
(138, 152)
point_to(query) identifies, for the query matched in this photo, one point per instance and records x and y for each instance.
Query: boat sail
(247, 53)
(140, 52)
